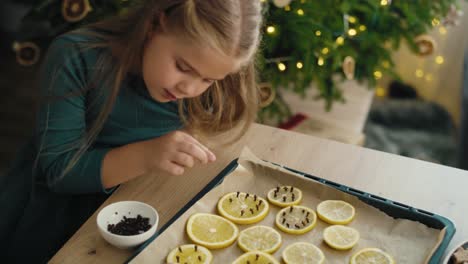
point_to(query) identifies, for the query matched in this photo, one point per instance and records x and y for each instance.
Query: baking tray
(391, 208)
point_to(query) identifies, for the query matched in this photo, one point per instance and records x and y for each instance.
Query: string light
(281, 66)
(320, 61)
(300, 12)
(419, 73)
(439, 60)
(442, 30)
(435, 22)
(380, 91)
(271, 29)
(386, 64)
(325, 50)
(362, 27)
(352, 32)
(287, 8)
(384, 2)
(340, 40)
(377, 75)
(352, 19)
(299, 65)
(318, 33)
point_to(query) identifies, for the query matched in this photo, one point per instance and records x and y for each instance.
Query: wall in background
(439, 83)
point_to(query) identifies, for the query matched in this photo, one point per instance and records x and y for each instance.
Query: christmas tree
(305, 41)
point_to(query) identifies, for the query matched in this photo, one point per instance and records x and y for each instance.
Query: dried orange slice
(257, 257)
(211, 231)
(371, 255)
(296, 219)
(190, 254)
(340, 237)
(301, 252)
(243, 208)
(261, 238)
(335, 212)
(284, 196)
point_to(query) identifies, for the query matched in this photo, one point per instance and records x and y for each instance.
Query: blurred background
(383, 74)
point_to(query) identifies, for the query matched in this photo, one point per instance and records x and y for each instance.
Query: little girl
(123, 97)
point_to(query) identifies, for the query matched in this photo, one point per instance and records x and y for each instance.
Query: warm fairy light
(281, 66)
(352, 19)
(318, 33)
(378, 74)
(384, 2)
(299, 65)
(320, 61)
(287, 8)
(439, 60)
(428, 77)
(271, 29)
(340, 40)
(362, 27)
(442, 30)
(352, 32)
(419, 73)
(386, 64)
(300, 12)
(435, 22)
(380, 91)
(325, 50)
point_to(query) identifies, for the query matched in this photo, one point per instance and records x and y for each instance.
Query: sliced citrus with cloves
(284, 196)
(243, 208)
(256, 257)
(211, 231)
(190, 254)
(296, 219)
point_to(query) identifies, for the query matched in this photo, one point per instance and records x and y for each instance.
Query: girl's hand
(176, 151)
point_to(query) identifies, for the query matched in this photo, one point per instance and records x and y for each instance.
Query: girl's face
(173, 68)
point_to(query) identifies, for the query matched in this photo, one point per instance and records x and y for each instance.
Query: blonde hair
(228, 26)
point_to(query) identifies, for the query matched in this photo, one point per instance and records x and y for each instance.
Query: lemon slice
(256, 257)
(340, 237)
(243, 208)
(211, 231)
(284, 196)
(190, 254)
(296, 219)
(261, 238)
(371, 255)
(301, 252)
(335, 212)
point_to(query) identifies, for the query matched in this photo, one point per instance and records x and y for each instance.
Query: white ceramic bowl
(114, 213)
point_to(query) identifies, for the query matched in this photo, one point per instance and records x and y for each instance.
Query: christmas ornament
(349, 66)
(426, 45)
(267, 94)
(453, 16)
(75, 10)
(281, 3)
(27, 53)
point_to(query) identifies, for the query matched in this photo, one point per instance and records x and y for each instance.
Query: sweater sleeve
(61, 122)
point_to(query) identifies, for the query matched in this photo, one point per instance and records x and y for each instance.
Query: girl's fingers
(173, 168)
(194, 151)
(183, 159)
(211, 156)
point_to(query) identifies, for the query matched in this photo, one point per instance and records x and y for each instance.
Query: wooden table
(435, 188)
